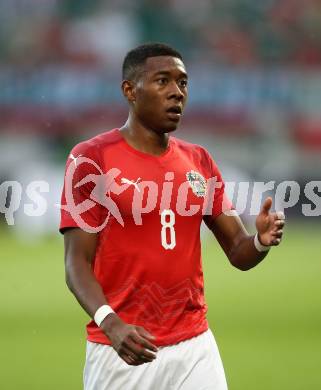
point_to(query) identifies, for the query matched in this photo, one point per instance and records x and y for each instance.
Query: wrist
(110, 323)
(258, 244)
(101, 313)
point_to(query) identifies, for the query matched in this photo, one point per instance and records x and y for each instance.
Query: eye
(162, 81)
(183, 83)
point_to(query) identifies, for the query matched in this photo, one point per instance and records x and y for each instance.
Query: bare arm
(238, 245)
(80, 250)
(132, 343)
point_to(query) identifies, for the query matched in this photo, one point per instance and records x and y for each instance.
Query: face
(160, 93)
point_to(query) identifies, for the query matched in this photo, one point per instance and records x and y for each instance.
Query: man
(132, 206)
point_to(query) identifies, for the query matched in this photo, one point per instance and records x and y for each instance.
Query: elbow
(240, 265)
(68, 282)
(240, 260)
(68, 279)
(244, 267)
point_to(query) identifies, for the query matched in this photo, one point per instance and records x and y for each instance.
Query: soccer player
(132, 205)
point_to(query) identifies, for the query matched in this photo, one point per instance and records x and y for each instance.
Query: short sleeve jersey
(147, 211)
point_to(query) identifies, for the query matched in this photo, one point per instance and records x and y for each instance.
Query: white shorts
(193, 364)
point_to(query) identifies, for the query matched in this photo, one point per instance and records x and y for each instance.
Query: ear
(129, 90)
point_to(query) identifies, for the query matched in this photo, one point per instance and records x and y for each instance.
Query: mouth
(174, 113)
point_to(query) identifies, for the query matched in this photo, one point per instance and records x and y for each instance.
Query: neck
(144, 139)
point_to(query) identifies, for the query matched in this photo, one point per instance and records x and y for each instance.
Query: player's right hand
(131, 342)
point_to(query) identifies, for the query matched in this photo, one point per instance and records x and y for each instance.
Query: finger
(266, 206)
(142, 331)
(279, 223)
(276, 241)
(141, 353)
(134, 359)
(277, 234)
(280, 215)
(127, 359)
(140, 338)
(128, 352)
(130, 357)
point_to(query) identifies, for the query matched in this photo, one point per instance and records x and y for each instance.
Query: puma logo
(131, 182)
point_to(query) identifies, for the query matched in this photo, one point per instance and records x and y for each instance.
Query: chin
(171, 129)
(172, 126)
(166, 127)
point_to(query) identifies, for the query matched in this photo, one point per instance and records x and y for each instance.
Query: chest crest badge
(197, 183)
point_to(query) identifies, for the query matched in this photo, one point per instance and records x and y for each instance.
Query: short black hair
(135, 58)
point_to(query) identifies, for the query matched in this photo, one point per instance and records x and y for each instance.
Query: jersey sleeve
(217, 199)
(77, 207)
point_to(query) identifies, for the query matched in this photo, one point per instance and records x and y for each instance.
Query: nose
(175, 92)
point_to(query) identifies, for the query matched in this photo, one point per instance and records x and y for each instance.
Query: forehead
(159, 64)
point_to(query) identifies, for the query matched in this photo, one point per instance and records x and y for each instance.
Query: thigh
(105, 370)
(198, 365)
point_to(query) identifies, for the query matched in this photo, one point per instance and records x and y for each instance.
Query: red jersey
(147, 211)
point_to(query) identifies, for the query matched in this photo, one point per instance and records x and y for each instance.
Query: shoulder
(199, 155)
(195, 150)
(93, 146)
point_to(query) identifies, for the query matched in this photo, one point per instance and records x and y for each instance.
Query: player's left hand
(270, 225)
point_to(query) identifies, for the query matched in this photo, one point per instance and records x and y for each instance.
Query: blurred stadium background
(255, 95)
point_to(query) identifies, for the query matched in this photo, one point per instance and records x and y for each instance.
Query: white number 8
(168, 221)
